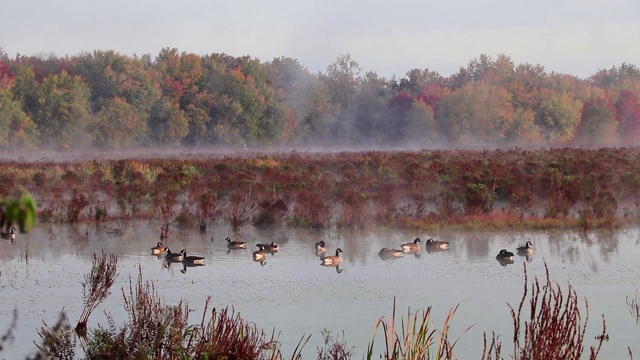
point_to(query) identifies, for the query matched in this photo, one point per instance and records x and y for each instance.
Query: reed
(634, 307)
(417, 337)
(97, 287)
(555, 328)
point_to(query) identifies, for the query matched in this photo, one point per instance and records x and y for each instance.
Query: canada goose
(437, 244)
(505, 255)
(527, 249)
(158, 249)
(273, 247)
(260, 253)
(236, 244)
(386, 254)
(411, 247)
(195, 260)
(173, 257)
(11, 235)
(320, 248)
(332, 260)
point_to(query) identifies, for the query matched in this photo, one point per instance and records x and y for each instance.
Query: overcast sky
(390, 37)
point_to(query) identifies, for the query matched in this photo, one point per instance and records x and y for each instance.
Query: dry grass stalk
(555, 329)
(58, 342)
(634, 307)
(97, 287)
(417, 337)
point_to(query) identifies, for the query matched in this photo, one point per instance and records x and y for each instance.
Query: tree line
(107, 100)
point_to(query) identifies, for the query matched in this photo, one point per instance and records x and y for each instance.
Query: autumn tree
(15, 124)
(557, 115)
(628, 110)
(598, 124)
(304, 95)
(118, 85)
(167, 123)
(476, 112)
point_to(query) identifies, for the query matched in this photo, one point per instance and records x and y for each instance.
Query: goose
(260, 254)
(11, 235)
(236, 244)
(273, 247)
(385, 253)
(320, 247)
(173, 257)
(527, 249)
(332, 259)
(158, 249)
(504, 255)
(437, 244)
(195, 260)
(411, 247)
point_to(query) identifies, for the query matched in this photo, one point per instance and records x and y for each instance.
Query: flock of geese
(504, 257)
(170, 257)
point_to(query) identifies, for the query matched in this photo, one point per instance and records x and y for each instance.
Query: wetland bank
(576, 206)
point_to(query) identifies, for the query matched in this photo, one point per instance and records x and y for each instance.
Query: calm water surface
(43, 272)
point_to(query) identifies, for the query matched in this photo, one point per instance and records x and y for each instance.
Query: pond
(42, 274)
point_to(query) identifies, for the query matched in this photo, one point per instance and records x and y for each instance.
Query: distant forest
(111, 101)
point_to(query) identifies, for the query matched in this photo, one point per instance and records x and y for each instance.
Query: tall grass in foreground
(416, 339)
(97, 287)
(555, 328)
(158, 331)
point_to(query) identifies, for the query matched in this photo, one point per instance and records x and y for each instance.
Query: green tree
(342, 82)
(113, 76)
(247, 109)
(25, 87)
(557, 115)
(62, 114)
(370, 110)
(118, 124)
(167, 123)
